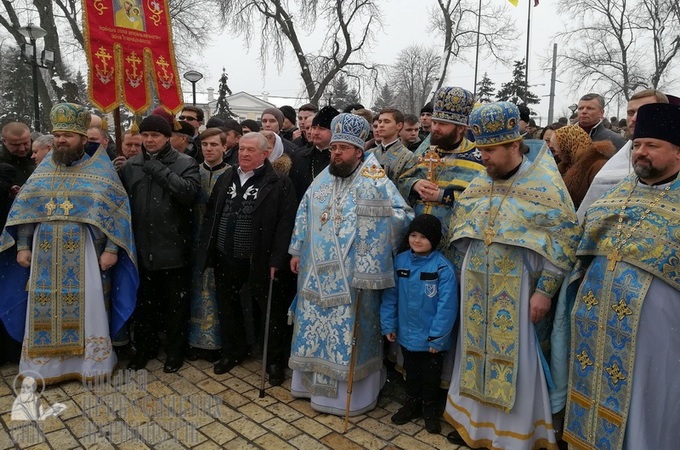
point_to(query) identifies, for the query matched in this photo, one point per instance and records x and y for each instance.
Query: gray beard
(646, 172)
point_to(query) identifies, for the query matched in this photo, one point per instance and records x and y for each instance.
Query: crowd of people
(533, 279)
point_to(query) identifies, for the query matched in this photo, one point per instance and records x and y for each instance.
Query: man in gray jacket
(162, 184)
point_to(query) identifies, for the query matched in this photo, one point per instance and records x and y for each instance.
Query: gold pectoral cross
(490, 233)
(50, 207)
(66, 206)
(613, 258)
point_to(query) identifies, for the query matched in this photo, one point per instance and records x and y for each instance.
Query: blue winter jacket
(423, 306)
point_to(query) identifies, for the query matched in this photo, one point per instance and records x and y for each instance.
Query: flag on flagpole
(516, 2)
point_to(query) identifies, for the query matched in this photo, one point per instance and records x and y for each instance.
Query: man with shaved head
(16, 150)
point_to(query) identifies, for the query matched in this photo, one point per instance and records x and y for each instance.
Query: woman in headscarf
(280, 160)
(579, 159)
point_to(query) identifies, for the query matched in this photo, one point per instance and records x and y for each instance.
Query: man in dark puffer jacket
(162, 184)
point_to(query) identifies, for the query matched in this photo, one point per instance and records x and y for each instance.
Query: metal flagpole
(479, 28)
(266, 336)
(526, 59)
(352, 360)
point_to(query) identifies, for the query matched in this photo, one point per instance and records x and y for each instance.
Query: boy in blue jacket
(419, 313)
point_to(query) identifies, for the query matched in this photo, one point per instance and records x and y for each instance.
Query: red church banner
(127, 42)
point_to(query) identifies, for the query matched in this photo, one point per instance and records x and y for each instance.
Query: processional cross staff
(432, 160)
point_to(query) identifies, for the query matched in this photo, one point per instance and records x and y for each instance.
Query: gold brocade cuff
(111, 247)
(24, 242)
(549, 283)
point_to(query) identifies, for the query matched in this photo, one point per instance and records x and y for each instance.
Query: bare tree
(456, 20)
(620, 46)
(350, 25)
(50, 83)
(413, 75)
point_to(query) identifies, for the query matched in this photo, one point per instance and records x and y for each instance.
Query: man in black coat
(16, 151)
(245, 237)
(162, 184)
(308, 162)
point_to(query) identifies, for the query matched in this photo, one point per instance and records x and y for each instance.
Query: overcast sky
(405, 23)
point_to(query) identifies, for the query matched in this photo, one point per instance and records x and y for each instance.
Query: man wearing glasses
(16, 150)
(194, 115)
(349, 221)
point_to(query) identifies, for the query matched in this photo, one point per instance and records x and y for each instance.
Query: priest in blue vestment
(516, 227)
(347, 229)
(68, 276)
(624, 389)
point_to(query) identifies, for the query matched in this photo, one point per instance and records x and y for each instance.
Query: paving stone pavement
(194, 408)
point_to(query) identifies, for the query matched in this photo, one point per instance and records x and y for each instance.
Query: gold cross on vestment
(613, 258)
(432, 160)
(66, 206)
(590, 300)
(50, 207)
(490, 233)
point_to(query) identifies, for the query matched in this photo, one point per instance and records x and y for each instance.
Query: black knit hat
(324, 117)
(658, 121)
(429, 226)
(289, 113)
(232, 125)
(428, 108)
(214, 122)
(156, 123)
(251, 125)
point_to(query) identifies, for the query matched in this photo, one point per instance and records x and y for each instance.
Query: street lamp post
(33, 33)
(193, 77)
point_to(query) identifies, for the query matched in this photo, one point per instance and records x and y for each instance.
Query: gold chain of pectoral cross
(335, 205)
(490, 232)
(51, 206)
(615, 255)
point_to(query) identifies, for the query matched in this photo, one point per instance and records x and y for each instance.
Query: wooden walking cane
(266, 337)
(352, 359)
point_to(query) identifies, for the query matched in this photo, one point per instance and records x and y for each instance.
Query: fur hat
(156, 123)
(276, 113)
(495, 124)
(429, 226)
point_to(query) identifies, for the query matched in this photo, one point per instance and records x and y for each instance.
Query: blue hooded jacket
(423, 305)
